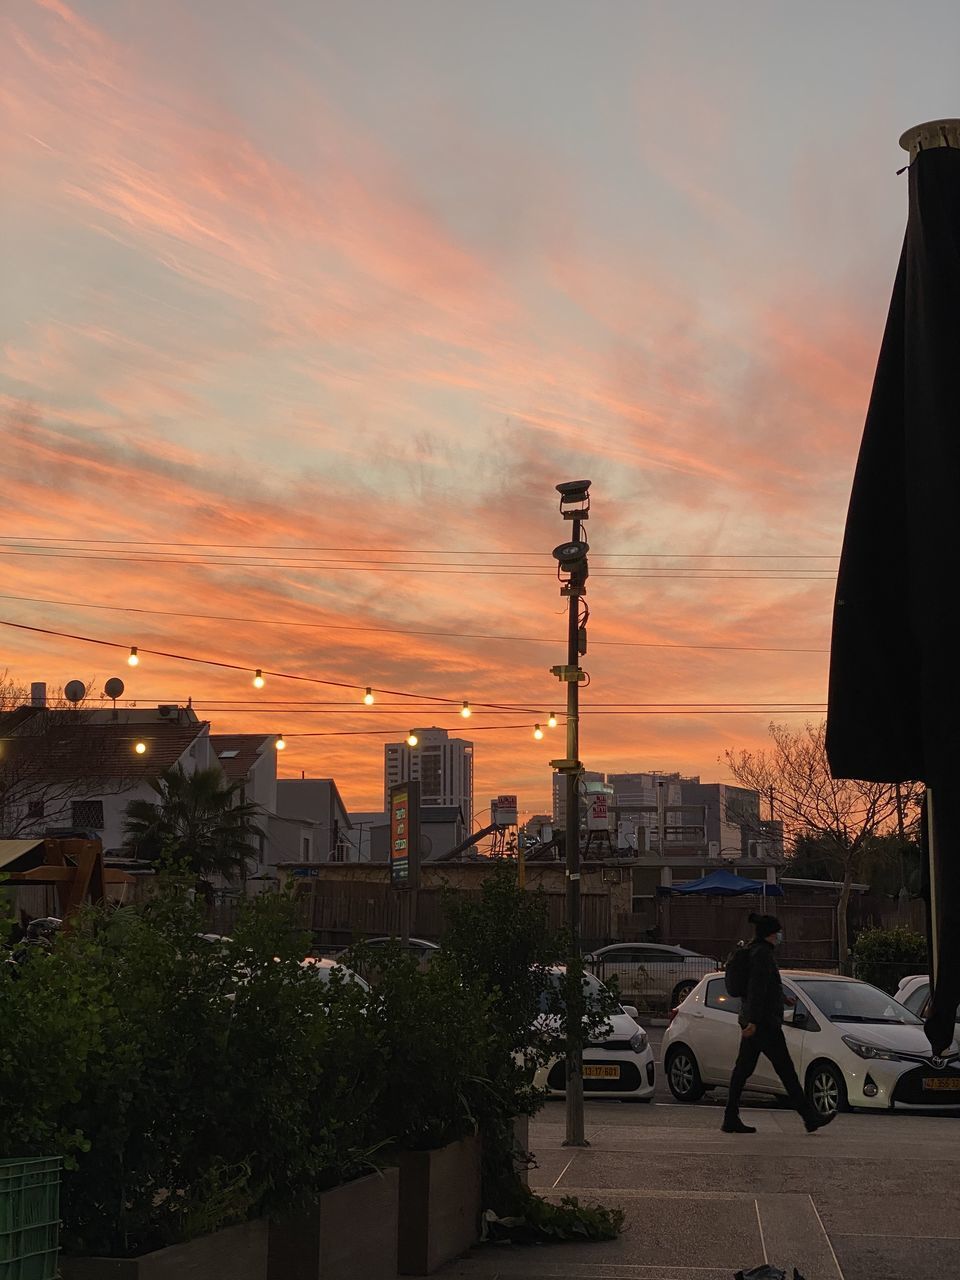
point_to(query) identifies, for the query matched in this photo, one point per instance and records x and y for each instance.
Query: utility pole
(572, 571)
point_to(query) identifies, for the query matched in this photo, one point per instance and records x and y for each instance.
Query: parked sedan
(914, 994)
(651, 974)
(851, 1043)
(619, 1063)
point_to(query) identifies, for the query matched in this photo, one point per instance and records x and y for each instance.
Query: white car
(914, 994)
(618, 1064)
(851, 1043)
(650, 974)
(324, 970)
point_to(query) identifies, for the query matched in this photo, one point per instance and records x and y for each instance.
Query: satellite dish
(75, 691)
(113, 688)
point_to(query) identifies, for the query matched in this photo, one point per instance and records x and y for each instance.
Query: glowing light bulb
(258, 680)
(140, 748)
(134, 659)
(552, 720)
(465, 710)
(537, 732)
(368, 697)
(280, 744)
(412, 739)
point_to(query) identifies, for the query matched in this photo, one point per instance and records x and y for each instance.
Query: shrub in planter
(504, 947)
(189, 1085)
(435, 1027)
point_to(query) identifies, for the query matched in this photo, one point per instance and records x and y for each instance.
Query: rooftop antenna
(114, 689)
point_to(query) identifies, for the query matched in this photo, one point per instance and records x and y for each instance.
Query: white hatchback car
(851, 1043)
(617, 1064)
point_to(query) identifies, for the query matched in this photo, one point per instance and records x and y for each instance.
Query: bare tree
(842, 815)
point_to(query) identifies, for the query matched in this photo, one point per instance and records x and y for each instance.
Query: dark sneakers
(736, 1125)
(815, 1122)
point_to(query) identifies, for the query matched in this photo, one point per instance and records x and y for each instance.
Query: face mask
(778, 940)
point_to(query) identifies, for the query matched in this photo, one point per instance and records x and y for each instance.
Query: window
(719, 998)
(917, 998)
(229, 755)
(305, 849)
(87, 815)
(35, 810)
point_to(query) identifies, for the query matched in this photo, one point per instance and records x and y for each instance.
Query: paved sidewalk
(872, 1197)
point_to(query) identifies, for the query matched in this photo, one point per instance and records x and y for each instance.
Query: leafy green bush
(189, 1084)
(434, 1030)
(503, 944)
(884, 956)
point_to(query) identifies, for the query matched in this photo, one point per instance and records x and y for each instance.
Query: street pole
(572, 558)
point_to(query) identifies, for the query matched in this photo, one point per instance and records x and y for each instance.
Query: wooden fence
(341, 912)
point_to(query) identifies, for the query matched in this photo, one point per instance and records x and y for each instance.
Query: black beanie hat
(765, 925)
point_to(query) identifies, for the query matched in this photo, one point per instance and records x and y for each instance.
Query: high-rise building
(442, 765)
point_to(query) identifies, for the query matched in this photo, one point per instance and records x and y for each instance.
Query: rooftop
(70, 744)
(238, 752)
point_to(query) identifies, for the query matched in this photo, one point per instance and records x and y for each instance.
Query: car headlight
(638, 1042)
(863, 1049)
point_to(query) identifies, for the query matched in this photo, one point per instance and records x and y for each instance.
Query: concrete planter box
(439, 1205)
(351, 1232)
(235, 1253)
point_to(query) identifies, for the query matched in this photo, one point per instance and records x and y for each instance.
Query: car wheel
(826, 1089)
(680, 993)
(683, 1075)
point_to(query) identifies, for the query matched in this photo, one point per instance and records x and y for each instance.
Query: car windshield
(553, 1002)
(855, 1002)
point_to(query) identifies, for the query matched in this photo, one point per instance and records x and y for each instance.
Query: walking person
(757, 982)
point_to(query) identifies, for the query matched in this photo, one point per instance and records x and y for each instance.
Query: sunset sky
(361, 282)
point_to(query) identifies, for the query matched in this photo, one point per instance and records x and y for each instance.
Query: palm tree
(198, 820)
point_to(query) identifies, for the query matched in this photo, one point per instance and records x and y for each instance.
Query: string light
(258, 680)
(134, 659)
(465, 710)
(412, 739)
(140, 748)
(537, 732)
(280, 744)
(368, 697)
(552, 721)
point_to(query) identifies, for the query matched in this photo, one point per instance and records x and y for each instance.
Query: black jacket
(763, 1003)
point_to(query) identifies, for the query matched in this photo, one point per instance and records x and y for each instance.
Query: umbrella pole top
(934, 133)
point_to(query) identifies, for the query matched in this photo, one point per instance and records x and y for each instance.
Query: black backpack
(737, 973)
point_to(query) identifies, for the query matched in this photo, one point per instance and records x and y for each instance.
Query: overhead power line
(420, 567)
(400, 631)
(268, 546)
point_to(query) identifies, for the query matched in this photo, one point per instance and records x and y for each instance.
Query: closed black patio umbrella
(894, 701)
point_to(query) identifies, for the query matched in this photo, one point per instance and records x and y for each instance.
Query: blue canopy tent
(723, 884)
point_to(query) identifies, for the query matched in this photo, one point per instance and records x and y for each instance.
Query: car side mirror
(798, 1015)
(631, 1011)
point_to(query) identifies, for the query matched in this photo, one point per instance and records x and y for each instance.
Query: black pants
(769, 1041)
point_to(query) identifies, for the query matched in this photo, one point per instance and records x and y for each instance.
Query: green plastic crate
(29, 1218)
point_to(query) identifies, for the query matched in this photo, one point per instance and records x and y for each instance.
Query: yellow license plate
(598, 1072)
(951, 1083)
